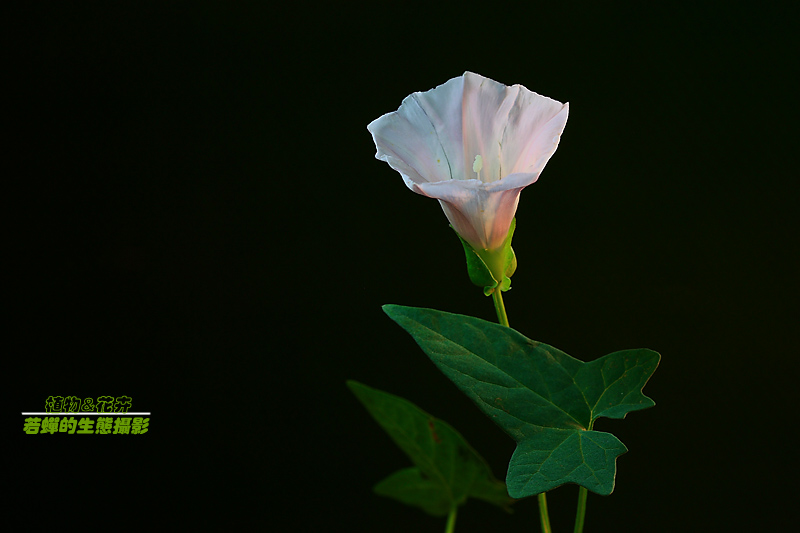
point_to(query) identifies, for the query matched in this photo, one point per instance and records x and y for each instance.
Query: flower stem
(581, 514)
(451, 521)
(497, 297)
(502, 318)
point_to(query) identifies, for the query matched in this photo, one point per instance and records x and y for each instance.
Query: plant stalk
(544, 516)
(502, 318)
(497, 297)
(451, 520)
(580, 516)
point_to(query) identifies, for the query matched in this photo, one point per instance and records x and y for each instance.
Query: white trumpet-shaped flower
(473, 144)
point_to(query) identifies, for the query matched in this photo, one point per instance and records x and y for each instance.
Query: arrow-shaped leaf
(543, 398)
(448, 470)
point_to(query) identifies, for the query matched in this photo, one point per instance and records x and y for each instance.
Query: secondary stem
(581, 514)
(543, 514)
(502, 318)
(451, 521)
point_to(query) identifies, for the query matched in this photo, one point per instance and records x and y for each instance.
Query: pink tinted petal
(482, 217)
(442, 106)
(518, 180)
(407, 140)
(486, 105)
(534, 128)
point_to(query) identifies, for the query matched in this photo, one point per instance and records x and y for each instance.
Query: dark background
(204, 228)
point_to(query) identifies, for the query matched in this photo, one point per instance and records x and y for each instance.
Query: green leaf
(544, 399)
(411, 487)
(448, 470)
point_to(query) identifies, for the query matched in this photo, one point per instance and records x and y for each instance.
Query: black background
(205, 229)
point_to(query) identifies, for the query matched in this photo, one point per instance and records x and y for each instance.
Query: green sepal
(479, 273)
(544, 399)
(491, 268)
(447, 469)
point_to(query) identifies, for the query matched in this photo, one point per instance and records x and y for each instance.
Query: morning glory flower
(473, 144)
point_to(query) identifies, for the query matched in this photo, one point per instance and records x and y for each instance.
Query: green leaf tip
(543, 398)
(447, 469)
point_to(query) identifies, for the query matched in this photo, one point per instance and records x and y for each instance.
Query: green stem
(497, 297)
(451, 521)
(581, 514)
(502, 318)
(543, 514)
